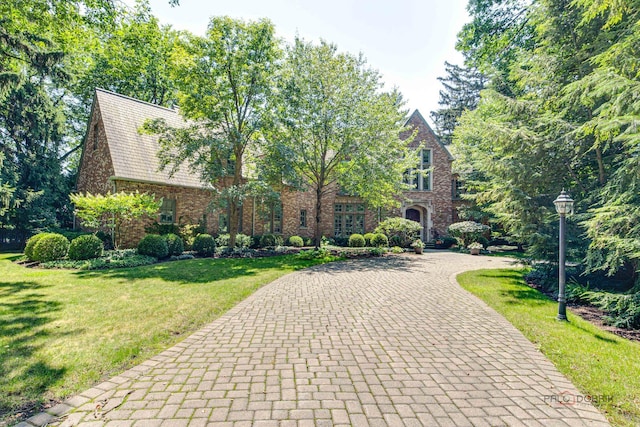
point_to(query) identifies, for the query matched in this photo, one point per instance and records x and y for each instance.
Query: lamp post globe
(564, 206)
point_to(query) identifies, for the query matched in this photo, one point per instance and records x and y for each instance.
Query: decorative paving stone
(391, 341)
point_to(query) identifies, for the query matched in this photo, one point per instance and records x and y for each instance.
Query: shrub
(271, 240)
(367, 239)
(308, 241)
(153, 245)
(84, 247)
(28, 249)
(356, 241)
(376, 251)
(396, 241)
(397, 250)
(243, 241)
(223, 240)
(296, 241)
(405, 230)
(107, 242)
(467, 232)
(445, 242)
(204, 245)
(50, 247)
(379, 240)
(175, 244)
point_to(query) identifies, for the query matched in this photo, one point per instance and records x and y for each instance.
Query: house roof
(416, 116)
(134, 155)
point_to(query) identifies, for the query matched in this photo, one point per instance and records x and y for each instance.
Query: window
(456, 189)
(276, 218)
(168, 211)
(303, 218)
(95, 136)
(421, 178)
(348, 218)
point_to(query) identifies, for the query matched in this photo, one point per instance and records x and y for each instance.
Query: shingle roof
(134, 155)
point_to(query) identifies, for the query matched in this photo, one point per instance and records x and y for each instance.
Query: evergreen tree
(461, 92)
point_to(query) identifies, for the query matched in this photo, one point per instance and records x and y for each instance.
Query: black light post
(564, 206)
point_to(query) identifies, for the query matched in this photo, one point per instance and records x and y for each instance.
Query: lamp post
(564, 206)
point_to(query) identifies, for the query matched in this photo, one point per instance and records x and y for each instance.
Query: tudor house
(117, 157)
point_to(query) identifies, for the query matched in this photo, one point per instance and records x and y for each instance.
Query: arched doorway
(420, 215)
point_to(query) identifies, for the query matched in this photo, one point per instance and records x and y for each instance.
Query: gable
(424, 136)
(134, 155)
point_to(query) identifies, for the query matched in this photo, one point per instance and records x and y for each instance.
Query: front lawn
(597, 362)
(62, 331)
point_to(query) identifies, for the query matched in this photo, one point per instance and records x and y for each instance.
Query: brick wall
(96, 166)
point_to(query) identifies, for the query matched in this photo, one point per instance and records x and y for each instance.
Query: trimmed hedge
(204, 245)
(84, 247)
(367, 239)
(50, 247)
(153, 245)
(271, 240)
(296, 241)
(379, 240)
(356, 241)
(31, 243)
(175, 244)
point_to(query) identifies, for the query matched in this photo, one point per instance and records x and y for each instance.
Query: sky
(407, 41)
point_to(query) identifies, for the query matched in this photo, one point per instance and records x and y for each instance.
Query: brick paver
(389, 342)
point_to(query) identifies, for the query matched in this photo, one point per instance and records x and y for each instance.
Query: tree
(113, 211)
(133, 60)
(225, 81)
(335, 126)
(461, 92)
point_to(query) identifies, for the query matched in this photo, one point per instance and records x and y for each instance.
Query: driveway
(392, 341)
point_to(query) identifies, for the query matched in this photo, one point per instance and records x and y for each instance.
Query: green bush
(269, 240)
(84, 247)
(296, 241)
(379, 240)
(175, 244)
(400, 231)
(243, 241)
(356, 241)
(445, 242)
(204, 245)
(31, 243)
(397, 250)
(367, 238)
(467, 232)
(153, 245)
(50, 247)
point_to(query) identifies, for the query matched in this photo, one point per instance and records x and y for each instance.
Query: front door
(414, 215)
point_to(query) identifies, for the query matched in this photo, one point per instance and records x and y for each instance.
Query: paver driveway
(391, 341)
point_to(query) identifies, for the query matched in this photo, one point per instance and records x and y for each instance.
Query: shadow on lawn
(24, 315)
(202, 270)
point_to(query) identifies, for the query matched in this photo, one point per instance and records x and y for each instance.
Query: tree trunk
(234, 201)
(317, 235)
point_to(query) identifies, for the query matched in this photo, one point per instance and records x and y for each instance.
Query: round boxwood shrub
(271, 240)
(379, 240)
(367, 239)
(86, 246)
(50, 247)
(153, 245)
(175, 244)
(296, 241)
(31, 243)
(204, 245)
(356, 240)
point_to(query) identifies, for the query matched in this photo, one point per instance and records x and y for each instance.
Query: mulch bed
(595, 316)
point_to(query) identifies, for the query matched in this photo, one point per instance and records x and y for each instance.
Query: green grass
(62, 331)
(597, 362)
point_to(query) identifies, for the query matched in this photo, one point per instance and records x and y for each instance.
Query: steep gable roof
(417, 120)
(134, 155)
